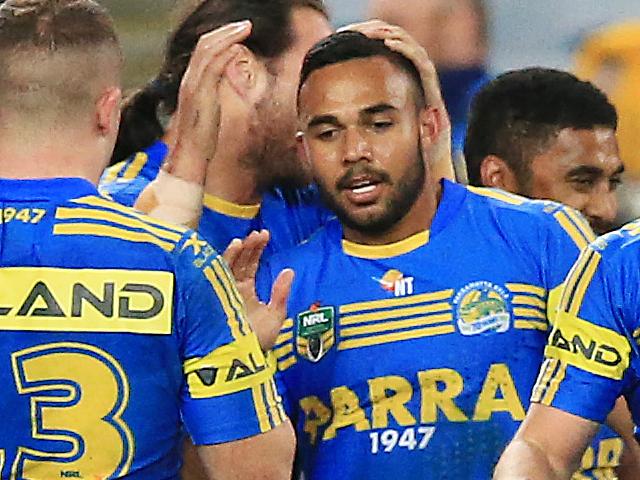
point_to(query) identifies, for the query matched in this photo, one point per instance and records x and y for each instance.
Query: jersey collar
(452, 197)
(46, 188)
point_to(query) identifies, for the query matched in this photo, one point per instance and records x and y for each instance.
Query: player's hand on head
(266, 319)
(195, 124)
(399, 40)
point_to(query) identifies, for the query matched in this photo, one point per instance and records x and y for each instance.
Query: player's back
(90, 357)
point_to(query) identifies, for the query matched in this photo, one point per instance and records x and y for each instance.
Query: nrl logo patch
(482, 307)
(315, 333)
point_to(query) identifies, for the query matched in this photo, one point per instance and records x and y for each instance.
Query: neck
(49, 158)
(418, 219)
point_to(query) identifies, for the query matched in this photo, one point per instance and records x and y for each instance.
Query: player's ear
(303, 150)
(246, 74)
(430, 126)
(107, 114)
(495, 173)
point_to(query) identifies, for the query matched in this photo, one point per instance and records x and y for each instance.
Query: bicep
(265, 456)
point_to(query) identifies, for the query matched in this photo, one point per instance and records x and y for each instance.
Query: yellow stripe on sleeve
(232, 316)
(576, 235)
(497, 195)
(583, 283)
(554, 384)
(113, 172)
(232, 293)
(582, 224)
(261, 409)
(572, 278)
(546, 372)
(273, 403)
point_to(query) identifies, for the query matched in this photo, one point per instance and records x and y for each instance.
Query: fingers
(246, 265)
(280, 293)
(230, 255)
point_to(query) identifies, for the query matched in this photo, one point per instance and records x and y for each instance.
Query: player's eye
(614, 183)
(381, 125)
(583, 184)
(327, 134)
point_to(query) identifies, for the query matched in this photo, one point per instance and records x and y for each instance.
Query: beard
(405, 194)
(273, 153)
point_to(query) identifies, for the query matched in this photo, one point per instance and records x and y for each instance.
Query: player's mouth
(364, 190)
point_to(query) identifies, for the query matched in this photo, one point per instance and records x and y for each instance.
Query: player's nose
(356, 146)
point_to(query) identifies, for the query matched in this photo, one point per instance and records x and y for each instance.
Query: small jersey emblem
(315, 332)
(482, 307)
(395, 282)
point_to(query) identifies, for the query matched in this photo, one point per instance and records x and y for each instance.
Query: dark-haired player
(418, 318)
(544, 133)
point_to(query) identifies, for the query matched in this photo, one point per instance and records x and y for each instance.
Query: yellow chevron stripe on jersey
(396, 325)
(396, 302)
(232, 293)
(219, 205)
(572, 230)
(94, 201)
(283, 351)
(113, 172)
(98, 230)
(288, 363)
(589, 347)
(498, 195)
(529, 301)
(283, 338)
(525, 288)
(136, 166)
(531, 325)
(396, 337)
(547, 370)
(376, 252)
(79, 213)
(529, 312)
(395, 313)
(233, 319)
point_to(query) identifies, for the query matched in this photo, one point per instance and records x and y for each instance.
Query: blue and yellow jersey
(291, 215)
(418, 358)
(116, 329)
(593, 347)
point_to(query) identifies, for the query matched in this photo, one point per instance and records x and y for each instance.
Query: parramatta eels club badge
(315, 332)
(482, 307)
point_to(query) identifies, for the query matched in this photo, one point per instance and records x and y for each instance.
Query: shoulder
(622, 245)
(101, 217)
(520, 215)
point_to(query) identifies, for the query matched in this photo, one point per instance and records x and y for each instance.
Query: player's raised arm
(176, 194)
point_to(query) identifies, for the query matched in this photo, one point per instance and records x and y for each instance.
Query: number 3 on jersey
(78, 394)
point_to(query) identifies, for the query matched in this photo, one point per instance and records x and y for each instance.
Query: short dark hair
(519, 113)
(347, 45)
(271, 35)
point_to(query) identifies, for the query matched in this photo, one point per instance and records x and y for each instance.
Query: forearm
(523, 460)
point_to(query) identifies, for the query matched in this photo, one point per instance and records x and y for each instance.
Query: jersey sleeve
(589, 351)
(229, 391)
(222, 221)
